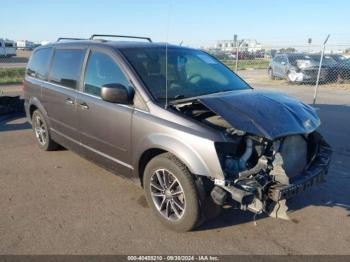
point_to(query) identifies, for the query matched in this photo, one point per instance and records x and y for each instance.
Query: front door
(105, 128)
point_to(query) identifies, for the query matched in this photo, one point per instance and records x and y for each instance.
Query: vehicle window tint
(277, 59)
(39, 64)
(66, 66)
(102, 70)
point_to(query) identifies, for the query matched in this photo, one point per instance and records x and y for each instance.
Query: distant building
(25, 45)
(44, 42)
(249, 45)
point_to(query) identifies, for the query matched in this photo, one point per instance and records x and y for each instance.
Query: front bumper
(312, 175)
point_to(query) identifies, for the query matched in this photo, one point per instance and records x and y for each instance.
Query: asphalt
(59, 203)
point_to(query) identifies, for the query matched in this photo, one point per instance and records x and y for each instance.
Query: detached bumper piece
(313, 175)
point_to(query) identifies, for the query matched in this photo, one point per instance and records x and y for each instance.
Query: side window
(277, 59)
(102, 70)
(66, 66)
(284, 59)
(39, 64)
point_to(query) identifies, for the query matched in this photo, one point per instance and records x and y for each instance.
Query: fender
(195, 163)
(34, 101)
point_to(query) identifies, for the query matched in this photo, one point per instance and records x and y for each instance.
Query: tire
(340, 78)
(270, 73)
(166, 203)
(42, 132)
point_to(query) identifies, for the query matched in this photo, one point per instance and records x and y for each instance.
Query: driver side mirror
(117, 93)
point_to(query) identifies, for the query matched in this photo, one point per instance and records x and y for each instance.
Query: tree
(287, 50)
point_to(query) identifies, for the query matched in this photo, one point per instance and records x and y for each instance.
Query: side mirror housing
(117, 93)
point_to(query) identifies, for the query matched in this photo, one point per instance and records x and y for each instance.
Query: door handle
(83, 106)
(69, 101)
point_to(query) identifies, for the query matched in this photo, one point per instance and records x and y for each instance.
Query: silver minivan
(177, 122)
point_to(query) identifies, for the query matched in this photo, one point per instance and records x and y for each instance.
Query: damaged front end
(272, 150)
(270, 172)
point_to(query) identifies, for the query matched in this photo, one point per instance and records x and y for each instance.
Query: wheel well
(32, 108)
(145, 158)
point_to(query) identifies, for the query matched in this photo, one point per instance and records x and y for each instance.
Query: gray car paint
(121, 134)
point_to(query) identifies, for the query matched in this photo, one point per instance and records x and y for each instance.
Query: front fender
(197, 153)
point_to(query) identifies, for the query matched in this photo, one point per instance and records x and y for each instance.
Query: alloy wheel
(167, 194)
(40, 130)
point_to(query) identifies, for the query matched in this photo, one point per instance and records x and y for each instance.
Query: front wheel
(171, 192)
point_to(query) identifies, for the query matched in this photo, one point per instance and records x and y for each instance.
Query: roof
(111, 44)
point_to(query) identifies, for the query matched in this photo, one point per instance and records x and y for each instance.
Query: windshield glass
(190, 72)
(326, 59)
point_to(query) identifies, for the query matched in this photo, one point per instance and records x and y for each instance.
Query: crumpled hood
(263, 113)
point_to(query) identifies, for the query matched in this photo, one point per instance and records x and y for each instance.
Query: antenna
(166, 55)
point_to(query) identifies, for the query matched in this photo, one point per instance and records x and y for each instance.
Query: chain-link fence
(290, 66)
(259, 65)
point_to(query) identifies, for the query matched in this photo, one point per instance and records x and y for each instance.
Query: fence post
(237, 53)
(319, 69)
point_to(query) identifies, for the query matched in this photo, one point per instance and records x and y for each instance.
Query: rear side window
(39, 64)
(278, 59)
(66, 65)
(102, 70)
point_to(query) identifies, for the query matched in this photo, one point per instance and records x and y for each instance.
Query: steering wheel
(195, 76)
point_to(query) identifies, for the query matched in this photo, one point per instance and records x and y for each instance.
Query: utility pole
(309, 42)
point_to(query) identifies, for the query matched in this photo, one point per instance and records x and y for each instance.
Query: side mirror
(117, 93)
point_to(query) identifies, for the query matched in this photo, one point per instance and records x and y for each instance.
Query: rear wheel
(42, 133)
(171, 192)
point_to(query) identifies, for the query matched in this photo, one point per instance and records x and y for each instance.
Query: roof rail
(123, 36)
(69, 38)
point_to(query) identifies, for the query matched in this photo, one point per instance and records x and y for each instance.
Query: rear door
(105, 128)
(59, 95)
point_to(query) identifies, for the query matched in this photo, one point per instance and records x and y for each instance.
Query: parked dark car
(297, 68)
(340, 68)
(177, 122)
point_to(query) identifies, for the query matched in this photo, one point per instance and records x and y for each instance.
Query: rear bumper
(313, 175)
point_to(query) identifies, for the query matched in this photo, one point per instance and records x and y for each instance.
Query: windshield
(294, 58)
(190, 72)
(326, 59)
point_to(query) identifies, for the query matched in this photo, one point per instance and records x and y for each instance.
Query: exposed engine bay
(261, 173)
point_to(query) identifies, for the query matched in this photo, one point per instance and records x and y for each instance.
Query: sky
(196, 23)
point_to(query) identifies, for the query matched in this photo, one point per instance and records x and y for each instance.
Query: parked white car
(7, 48)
